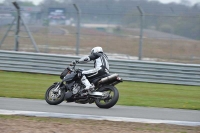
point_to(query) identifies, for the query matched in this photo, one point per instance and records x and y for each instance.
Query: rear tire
(56, 101)
(113, 99)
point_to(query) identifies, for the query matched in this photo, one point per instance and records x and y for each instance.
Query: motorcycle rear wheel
(49, 96)
(111, 100)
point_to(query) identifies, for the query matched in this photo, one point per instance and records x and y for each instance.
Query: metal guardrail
(172, 73)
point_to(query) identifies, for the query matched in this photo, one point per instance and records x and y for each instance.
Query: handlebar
(72, 68)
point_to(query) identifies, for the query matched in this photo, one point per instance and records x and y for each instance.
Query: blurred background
(170, 31)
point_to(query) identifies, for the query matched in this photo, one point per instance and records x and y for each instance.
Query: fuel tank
(70, 77)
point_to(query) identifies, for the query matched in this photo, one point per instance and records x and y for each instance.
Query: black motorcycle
(71, 89)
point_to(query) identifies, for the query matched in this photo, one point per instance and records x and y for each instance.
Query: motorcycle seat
(96, 79)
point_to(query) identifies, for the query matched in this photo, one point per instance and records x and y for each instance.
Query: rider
(101, 66)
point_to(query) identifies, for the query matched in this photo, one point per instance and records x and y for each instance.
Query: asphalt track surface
(91, 109)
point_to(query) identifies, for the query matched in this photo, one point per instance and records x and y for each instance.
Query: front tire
(111, 100)
(52, 98)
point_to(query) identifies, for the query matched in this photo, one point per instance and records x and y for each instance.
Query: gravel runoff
(94, 117)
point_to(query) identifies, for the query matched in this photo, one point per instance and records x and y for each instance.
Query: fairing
(70, 77)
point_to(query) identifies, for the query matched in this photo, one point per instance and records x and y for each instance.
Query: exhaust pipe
(108, 79)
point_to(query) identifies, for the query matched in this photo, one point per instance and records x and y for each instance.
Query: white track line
(95, 117)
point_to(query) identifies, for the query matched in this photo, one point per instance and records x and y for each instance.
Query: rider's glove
(74, 62)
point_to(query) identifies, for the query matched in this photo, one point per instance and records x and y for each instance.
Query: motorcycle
(104, 95)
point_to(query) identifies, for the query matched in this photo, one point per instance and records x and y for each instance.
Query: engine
(76, 88)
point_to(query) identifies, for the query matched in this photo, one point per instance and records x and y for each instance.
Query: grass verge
(33, 86)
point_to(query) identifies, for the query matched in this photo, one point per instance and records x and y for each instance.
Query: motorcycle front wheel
(54, 98)
(110, 100)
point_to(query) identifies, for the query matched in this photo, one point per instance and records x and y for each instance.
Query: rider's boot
(88, 87)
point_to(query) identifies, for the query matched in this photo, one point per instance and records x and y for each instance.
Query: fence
(170, 32)
(172, 73)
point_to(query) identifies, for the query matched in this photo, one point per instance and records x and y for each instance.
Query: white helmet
(96, 50)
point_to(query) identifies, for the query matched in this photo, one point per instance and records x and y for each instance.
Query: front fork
(57, 89)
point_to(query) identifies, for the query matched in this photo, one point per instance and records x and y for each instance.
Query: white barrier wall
(172, 73)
